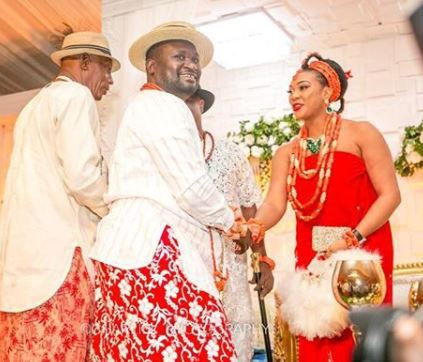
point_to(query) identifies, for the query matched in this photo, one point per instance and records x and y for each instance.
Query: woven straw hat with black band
(175, 30)
(85, 42)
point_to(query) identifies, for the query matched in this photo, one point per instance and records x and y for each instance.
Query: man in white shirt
(53, 200)
(155, 298)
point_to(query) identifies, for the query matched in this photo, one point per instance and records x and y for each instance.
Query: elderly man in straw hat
(53, 198)
(155, 298)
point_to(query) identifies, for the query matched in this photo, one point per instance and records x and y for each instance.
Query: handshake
(243, 232)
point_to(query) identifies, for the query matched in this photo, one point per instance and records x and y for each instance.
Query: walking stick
(264, 325)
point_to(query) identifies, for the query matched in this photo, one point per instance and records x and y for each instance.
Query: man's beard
(180, 88)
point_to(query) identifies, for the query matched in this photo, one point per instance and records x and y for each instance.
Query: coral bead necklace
(322, 170)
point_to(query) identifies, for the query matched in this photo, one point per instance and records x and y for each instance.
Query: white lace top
(232, 175)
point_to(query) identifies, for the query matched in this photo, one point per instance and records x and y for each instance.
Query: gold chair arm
(285, 344)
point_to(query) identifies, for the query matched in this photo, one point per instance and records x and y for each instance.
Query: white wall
(387, 87)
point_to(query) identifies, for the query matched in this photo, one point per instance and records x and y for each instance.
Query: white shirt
(54, 175)
(158, 177)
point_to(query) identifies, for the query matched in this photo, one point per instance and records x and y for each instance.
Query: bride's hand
(257, 230)
(337, 245)
(239, 228)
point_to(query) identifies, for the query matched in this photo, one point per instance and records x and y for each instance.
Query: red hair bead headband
(331, 76)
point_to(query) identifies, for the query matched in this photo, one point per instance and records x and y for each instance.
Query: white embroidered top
(232, 175)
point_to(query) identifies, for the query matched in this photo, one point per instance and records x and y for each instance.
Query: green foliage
(411, 157)
(262, 138)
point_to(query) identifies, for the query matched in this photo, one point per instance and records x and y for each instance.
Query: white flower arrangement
(256, 151)
(410, 158)
(261, 139)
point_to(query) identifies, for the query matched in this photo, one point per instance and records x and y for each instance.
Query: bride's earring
(328, 107)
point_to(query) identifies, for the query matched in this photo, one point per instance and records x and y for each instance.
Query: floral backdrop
(259, 141)
(410, 158)
(262, 138)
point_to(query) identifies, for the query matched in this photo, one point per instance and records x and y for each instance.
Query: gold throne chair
(407, 283)
(284, 343)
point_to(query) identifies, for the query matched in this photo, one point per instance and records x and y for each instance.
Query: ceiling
(26, 42)
(311, 23)
(320, 23)
(27, 26)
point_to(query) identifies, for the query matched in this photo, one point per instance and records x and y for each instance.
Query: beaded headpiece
(331, 76)
(328, 72)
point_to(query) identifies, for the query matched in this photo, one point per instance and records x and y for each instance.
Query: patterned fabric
(232, 175)
(56, 330)
(155, 314)
(238, 306)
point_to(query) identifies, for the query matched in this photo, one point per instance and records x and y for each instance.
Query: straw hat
(85, 42)
(175, 30)
(206, 96)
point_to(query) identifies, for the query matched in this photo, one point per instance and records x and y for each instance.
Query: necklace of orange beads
(220, 279)
(322, 170)
(210, 153)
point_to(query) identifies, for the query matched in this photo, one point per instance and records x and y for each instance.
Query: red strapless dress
(350, 194)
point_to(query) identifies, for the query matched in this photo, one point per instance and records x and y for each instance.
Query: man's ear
(150, 66)
(201, 103)
(85, 61)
